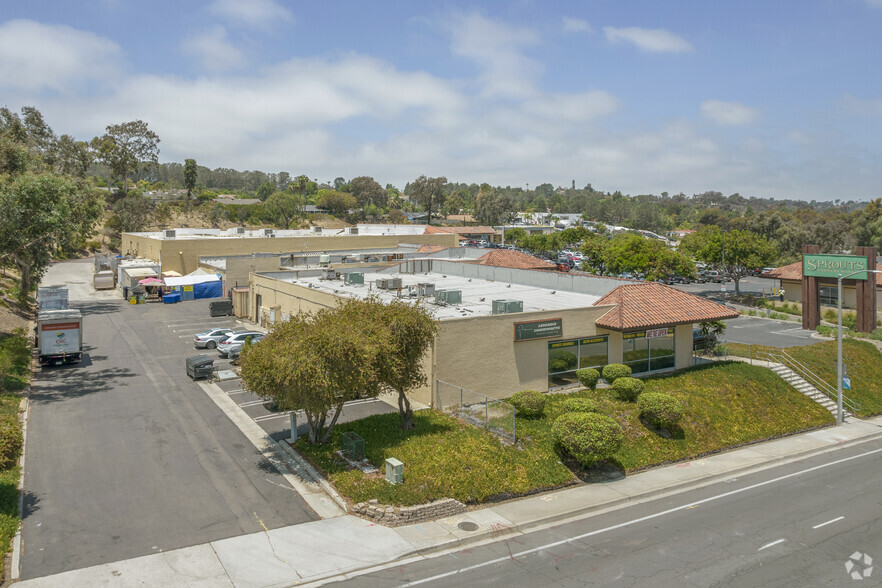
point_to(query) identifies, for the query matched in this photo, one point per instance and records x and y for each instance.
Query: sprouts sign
(817, 265)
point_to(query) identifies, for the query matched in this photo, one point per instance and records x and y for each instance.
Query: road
(126, 456)
(793, 525)
(762, 331)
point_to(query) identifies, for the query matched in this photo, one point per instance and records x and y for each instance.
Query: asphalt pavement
(126, 456)
(793, 525)
(769, 332)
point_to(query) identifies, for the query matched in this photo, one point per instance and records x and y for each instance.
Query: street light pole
(839, 416)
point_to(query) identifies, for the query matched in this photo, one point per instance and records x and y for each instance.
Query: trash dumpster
(200, 366)
(220, 308)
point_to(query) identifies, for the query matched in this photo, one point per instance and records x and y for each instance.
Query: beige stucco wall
(182, 254)
(288, 298)
(683, 357)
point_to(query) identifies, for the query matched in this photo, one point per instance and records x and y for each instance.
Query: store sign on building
(538, 329)
(818, 265)
(654, 333)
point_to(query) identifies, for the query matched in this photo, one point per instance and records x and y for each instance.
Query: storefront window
(828, 295)
(647, 351)
(565, 357)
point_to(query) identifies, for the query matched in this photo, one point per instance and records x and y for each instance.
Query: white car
(210, 338)
(224, 347)
(235, 349)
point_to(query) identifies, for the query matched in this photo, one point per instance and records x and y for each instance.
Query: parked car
(235, 349)
(699, 339)
(210, 338)
(223, 348)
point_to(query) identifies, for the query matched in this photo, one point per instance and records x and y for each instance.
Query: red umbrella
(150, 281)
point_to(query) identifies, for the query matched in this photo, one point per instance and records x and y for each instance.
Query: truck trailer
(59, 336)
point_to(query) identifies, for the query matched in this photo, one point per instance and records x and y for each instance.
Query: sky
(768, 98)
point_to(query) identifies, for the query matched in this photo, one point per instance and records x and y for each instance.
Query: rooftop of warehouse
(239, 233)
(477, 294)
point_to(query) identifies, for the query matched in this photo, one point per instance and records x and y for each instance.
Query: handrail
(785, 359)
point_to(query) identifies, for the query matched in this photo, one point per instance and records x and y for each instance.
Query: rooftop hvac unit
(426, 289)
(448, 296)
(315, 229)
(353, 278)
(240, 230)
(383, 283)
(266, 232)
(324, 259)
(168, 233)
(394, 283)
(329, 274)
(507, 306)
(351, 230)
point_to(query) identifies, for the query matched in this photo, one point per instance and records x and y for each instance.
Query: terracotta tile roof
(794, 272)
(649, 305)
(514, 260)
(431, 248)
(461, 230)
(430, 230)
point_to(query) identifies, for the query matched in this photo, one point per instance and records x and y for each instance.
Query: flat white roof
(365, 229)
(477, 295)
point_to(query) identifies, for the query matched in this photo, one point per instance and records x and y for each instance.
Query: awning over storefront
(650, 305)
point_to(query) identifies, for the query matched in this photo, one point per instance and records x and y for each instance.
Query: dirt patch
(12, 315)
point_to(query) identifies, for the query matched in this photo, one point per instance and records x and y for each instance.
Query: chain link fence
(478, 409)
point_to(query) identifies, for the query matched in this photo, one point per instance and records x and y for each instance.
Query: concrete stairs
(792, 378)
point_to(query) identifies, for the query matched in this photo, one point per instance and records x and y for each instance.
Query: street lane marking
(828, 523)
(767, 545)
(638, 520)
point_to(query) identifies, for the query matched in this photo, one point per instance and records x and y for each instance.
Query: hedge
(587, 436)
(628, 389)
(11, 441)
(614, 371)
(579, 405)
(528, 403)
(662, 410)
(588, 377)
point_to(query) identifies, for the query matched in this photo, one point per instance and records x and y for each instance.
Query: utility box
(448, 296)
(353, 278)
(507, 306)
(324, 260)
(394, 284)
(394, 471)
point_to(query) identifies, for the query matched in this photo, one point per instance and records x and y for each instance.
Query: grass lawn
(726, 404)
(862, 360)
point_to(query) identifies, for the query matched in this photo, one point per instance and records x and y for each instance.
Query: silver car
(235, 349)
(209, 339)
(223, 348)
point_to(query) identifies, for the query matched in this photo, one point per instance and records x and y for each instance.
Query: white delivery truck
(52, 297)
(60, 336)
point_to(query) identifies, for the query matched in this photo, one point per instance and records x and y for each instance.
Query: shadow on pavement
(71, 381)
(107, 307)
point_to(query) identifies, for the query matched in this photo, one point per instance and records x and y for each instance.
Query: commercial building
(180, 249)
(789, 280)
(505, 329)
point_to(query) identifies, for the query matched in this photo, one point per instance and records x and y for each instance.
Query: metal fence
(481, 410)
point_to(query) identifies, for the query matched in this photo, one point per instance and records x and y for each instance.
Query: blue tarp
(208, 290)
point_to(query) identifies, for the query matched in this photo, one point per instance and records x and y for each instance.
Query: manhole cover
(468, 526)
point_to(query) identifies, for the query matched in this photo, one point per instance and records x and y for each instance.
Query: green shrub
(10, 442)
(528, 403)
(628, 389)
(588, 377)
(830, 315)
(662, 410)
(579, 405)
(93, 245)
(849, 321)
(589, 437)
(614, 371)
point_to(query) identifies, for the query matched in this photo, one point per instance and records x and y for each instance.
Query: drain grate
(468, 526)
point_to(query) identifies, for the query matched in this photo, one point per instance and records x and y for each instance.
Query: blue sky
(765, 98)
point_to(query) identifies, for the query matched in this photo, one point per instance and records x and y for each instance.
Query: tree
(282, 180)
(190, 175)
(515, 235)
(407, 332)
(491, 207)
(428, 192)
(336, 202)
(594, 254)
(131, 213)
(367, 191)
(339, 183)
(744, 251)
(265, 190)
(396, 217)
(125, 146)
(284, 207)
(316, 363)
(631, 253)
(711, 331)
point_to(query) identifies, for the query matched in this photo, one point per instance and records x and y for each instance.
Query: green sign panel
(832, 266)
(538, 329)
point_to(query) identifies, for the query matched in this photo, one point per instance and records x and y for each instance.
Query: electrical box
(394, 471)
(329, 274)
(394, 283)
(324, 259)
(507, 306)
(353, 278)
(168, 234)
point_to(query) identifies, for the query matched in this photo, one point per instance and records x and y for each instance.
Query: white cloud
(213, 50)
(36, 56)
(728, 113)
(576, 25)
(651, 40)
(572, 107)
(496, 49)
(259, 14)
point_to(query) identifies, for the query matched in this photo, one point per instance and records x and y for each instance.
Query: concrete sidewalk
(343, 544)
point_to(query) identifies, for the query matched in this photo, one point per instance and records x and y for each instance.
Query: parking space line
(239, 392)
(271, 416)
(252, 403)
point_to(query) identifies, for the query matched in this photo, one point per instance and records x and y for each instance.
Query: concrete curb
(288, 454)
(15, 564)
